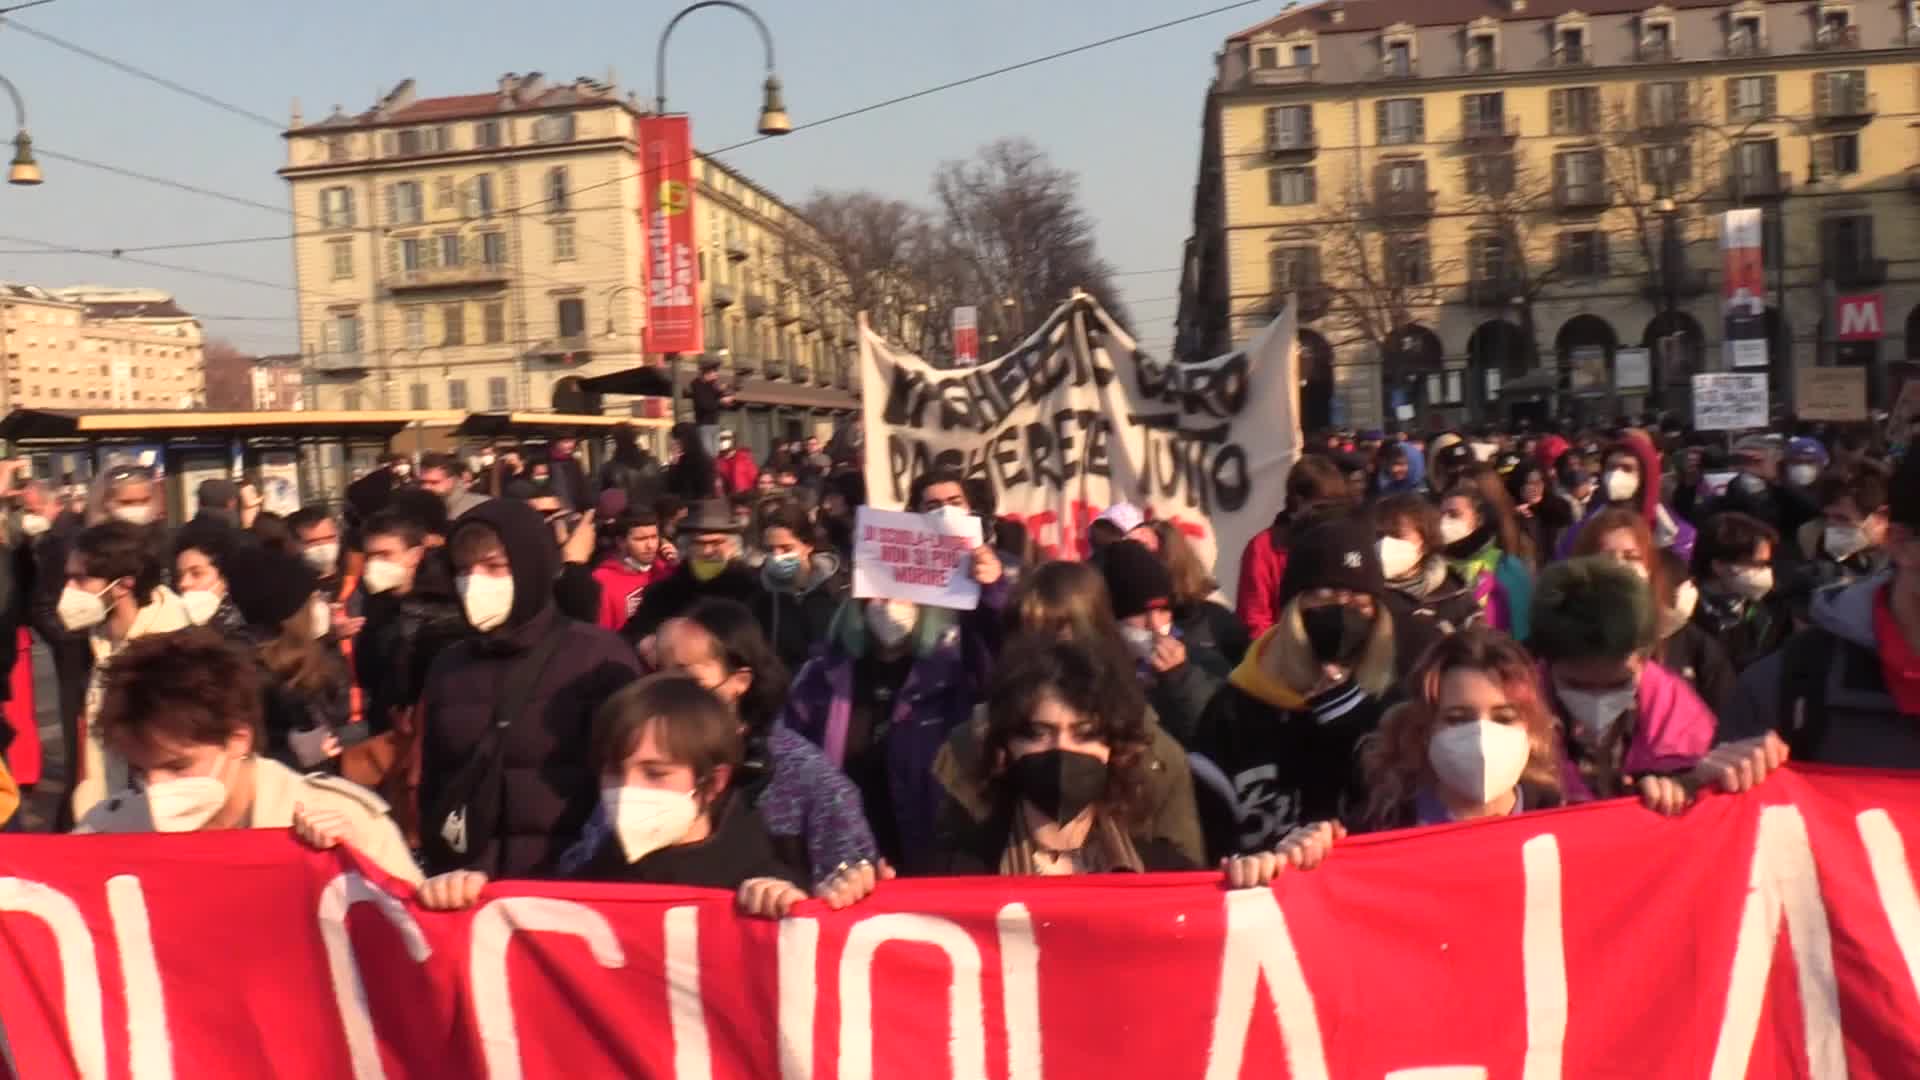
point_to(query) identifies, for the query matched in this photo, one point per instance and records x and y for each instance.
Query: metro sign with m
(1859, 318)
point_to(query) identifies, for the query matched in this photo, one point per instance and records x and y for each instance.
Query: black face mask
(1338, 633)
(1059, 783)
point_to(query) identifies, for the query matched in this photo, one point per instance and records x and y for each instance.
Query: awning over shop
(647, 380)
(760, 391)
(494, 425)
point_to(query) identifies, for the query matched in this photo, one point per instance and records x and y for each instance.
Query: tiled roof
(1362, 16)
(135, 309)
(447, 108)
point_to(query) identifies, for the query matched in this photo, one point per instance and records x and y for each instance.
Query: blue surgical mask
(782, 569)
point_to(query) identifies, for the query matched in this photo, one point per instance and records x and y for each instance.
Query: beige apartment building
(472, 252)
(93, 347)
(1481, 203)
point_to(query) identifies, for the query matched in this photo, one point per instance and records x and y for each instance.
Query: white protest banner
(1075, 419)
(1729, 402)
(925, 558)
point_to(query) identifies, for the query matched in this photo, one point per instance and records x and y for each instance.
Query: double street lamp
(773, 111)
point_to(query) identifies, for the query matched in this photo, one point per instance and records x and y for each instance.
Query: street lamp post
(773, 113)
(24, 170)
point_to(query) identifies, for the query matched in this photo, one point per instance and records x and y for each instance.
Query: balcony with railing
(721, 294)
(737, 248)
(1747, 43)
(785, 311)
(1391, 201)
(1286, 142)
(346, 362)
(1836, 38)
(1489, 129)
(776, 367)
(1572, 56)
(1844, 103)
(1493, 288)
(1288, 75)
(1399, 66)
(1759, 184)
(1850, 269)
(745, 363)
(757, 306)
(1581, 194)
(1656, 51)
(465, 275)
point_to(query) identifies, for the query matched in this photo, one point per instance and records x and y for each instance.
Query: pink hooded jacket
(1674, 729)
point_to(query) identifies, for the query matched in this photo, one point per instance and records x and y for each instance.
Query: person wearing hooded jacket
(1314, 485)
(504, 564)
(1427, 598)
(1631, 477)
(801, 585)
(1284, 730)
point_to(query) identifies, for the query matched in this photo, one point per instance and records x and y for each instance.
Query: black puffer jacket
(550, 786)
(671, 598)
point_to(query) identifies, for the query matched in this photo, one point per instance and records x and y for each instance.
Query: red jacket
(621, 587)
(737, 471)
(1262, 565)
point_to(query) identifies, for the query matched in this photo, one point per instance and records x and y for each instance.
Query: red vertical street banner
(672, 273)
(1768, 936)
(1743, 288)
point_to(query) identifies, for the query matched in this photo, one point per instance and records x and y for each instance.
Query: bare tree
(1014, 224)
(229, 375)
(1380, 268)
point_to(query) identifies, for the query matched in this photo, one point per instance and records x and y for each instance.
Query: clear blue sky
(1125, 117)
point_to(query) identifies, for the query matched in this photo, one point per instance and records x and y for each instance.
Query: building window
(354, 399)
(571, 313)
(336, 208)
(1656, 40)
(1408, 261)
(557, 190)
(480, 196)
(1401, 121)
(1580, 176)
(1397, 59)
(1836, 30)
(415, 255)
(456, 393)
(1295, 268)
(1836, 155)
(1846, 245)
(1490, 174)
(1483, 52)
(1575, 110)
(553, 129)
(562, 241)
(1483, 115)
(403, 203)
(1302, 56)
(497, 393)
(1746, 36)
(1750, 97)
(1840, 94)
(1570, 46)
(1266, 56)
(1663, 104)
(1757, 167)
(493, 249)
(1583, 253)
(486, 134)
(493, 322)
(1290, 186)
(1667, 166)
(1289, 127)
(340, 333)
(340, 253)
(453, 324)
(417, 396)
(451, 255)
(443, 193)
(413, 326)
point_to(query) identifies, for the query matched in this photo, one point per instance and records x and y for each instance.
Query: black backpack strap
(1806, 660)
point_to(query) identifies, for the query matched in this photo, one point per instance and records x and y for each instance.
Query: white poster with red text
(1076, 419)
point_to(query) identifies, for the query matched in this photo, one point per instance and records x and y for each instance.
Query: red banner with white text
(672, 273)
(1769, 935)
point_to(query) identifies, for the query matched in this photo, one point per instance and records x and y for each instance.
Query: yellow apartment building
(483, 252)
(94, 347)
(1481, 203)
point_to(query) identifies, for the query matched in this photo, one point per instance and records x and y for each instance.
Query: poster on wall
(1744, 288)
(671, 270)
(1587, 366)
(1632, 369)
(197, 466)
(279, 481)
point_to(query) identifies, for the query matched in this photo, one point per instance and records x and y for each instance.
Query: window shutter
(1822, 94)
(1273, 187)
(392, 214)
(1380, 121)
(1733, 99)
(1312, 185)
(1420, 177)
(1557, 102)
(1419, 120)
(1313, 265)
(1642, 106)
(1600, 260)
(1560, 170)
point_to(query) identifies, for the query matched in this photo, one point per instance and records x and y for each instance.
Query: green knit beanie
(1593, 607)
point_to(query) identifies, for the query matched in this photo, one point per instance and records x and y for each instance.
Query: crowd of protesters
(509, 666)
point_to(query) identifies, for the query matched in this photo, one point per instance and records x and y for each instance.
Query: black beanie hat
(1333, 553)
(1136, 578)
(268, 586)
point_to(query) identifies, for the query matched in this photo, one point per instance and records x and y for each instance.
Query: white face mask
(1802, 475)
(891, 621)
(1596, 711)
(1454, 529)
(1139, 639)
(200, 604)
(319, 618)
(1621, 485)
(1750, 583)
(648, 819)
(1843, 541)
(1398, 557)
(132, 515)
(322, 557)
(384, 575)
(487, 600)
(186, 803)
(1480, 760)
(82, 610)
(34, 524)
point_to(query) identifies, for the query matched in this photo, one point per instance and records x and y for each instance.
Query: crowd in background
(511, 666)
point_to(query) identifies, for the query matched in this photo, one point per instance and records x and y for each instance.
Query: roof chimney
(508, 83)
(296, 119)
(532, 85)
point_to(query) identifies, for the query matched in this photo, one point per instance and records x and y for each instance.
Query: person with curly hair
(1065, 770)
